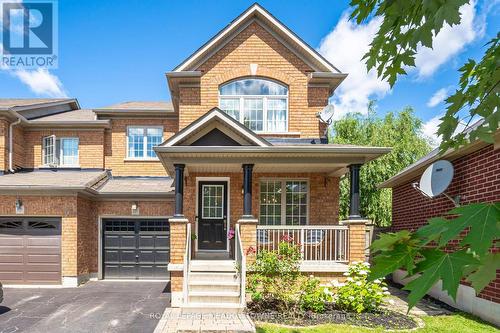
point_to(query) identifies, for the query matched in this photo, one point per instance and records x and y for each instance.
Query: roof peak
(257, 11)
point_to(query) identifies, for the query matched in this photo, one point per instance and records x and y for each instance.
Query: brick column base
(248, 232)
(357, 239)
(178, 227)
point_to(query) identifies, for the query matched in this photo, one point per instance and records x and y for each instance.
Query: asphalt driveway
(98, 306)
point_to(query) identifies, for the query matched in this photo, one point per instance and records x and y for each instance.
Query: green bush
(314, 297)
(357, 294)
(275, 278)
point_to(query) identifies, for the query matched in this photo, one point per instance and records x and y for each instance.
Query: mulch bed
(266, 312)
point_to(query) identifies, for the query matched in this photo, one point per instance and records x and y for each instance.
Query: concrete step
(214, 308)
(213, 266)
(214, 277)
(215, 285)
(217, 297)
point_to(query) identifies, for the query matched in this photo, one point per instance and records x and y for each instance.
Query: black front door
(212, 215)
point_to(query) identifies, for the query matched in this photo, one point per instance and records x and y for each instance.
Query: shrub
(357, 294)
(314, 297)
(276, 279)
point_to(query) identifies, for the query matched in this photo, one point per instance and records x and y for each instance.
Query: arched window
(259, 104)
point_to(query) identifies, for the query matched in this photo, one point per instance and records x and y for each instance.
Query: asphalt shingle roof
(52, 179)
(7, 103)
(137, 185)
(141, 105)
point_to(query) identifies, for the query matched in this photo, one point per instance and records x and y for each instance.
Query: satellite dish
(326, 114)
(436, 179)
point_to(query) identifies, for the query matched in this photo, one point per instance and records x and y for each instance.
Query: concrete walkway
(426, 307)
(174, 321)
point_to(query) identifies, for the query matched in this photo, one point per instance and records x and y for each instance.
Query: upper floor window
(261, 105)
(60, 151)
(141, 141)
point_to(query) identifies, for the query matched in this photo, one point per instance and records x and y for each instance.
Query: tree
(402, 132)
(407, 26)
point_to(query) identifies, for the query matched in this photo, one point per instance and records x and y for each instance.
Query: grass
(457, 322)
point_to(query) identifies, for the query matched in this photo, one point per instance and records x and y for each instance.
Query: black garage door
(136, 248)
(30, 250)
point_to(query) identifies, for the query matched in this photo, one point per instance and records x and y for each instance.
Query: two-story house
(154, 190)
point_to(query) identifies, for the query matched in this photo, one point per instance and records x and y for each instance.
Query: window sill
(154, 159)
(59, 167)
(279, 133)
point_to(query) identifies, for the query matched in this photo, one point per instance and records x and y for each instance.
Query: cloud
(438, 97)
(430, 127)
(344, 47)
(429, 130)
(41, 82)
(347, 43)
(450, 41)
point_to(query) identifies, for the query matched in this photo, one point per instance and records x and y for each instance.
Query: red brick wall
(476, 179)
(87, 231)
(255, 45)
(323, 195)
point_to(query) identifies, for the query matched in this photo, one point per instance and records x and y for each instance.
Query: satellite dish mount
(436, 179)
(325, 116)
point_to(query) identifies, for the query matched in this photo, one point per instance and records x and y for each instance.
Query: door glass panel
(213, 201)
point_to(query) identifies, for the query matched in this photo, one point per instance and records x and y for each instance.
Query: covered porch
(237, 193)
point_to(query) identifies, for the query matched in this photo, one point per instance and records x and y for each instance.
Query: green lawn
(458, 322)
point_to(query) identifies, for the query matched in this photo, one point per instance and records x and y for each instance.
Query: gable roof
(257, 13)
(223, 122)
(416, 169)
(137, 108)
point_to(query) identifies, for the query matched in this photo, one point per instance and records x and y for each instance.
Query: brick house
(150, 190)
(476, 178)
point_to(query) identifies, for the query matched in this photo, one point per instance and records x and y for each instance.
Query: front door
(212, 215)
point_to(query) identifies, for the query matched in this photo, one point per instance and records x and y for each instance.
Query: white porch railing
(317, 242)
(187, 261)
(240, 259)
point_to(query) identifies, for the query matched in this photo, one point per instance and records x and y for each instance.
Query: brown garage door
(30, 250)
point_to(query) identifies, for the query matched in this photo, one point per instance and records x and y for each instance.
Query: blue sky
(113, 51)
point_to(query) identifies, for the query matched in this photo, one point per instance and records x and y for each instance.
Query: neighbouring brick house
(476, 178)
(150, 190)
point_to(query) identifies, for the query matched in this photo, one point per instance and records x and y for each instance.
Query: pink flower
(230, 234)
(251, 250)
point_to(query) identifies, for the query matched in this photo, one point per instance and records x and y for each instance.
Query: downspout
(20, 118)
(11, 139)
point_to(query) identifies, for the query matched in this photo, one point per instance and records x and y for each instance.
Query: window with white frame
(141, 141)
(60, 151)
(259, 104)
(283, 202)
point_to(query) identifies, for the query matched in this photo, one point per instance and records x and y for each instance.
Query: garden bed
(265, 312)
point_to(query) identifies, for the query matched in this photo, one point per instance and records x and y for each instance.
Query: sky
(119, 50)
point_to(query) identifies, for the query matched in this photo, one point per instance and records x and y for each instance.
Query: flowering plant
(357, 294)
(230, 234)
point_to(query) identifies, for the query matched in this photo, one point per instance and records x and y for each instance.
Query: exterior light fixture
(135, 208)
(19, 206)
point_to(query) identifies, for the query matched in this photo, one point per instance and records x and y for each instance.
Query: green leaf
(401, 256)
(433, 229)
(387, 241)
(483, 219)
(438, 265)
(486, 271)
